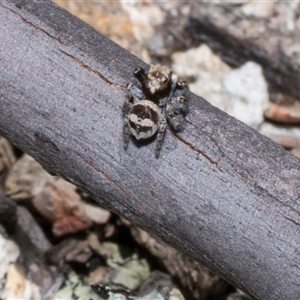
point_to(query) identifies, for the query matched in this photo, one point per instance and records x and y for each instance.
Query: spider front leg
(176, 109)
(141, 75)
(125, 110)
(171, 117)
(183, 104)
(160, 136)
(135, 92)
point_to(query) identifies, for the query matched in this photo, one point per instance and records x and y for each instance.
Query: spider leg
(160, 136)
(125, 110)
(179, 100)
(141, 75)
(183, 105)
(127, 105)
(173, 120)
(126, 132)
(135, 92)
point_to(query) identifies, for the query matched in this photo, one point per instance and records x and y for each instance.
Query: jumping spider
(155, 99)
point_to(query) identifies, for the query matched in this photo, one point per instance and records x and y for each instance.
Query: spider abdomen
(144, 119)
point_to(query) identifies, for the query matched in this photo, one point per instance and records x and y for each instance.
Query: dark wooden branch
(220, 192)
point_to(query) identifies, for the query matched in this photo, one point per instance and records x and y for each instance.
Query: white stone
(143, 18)
(261, 9)
(19, 287)
(246, 93)
(8, 254)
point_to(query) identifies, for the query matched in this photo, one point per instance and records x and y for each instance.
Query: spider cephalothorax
(157, 99)
(157, 82)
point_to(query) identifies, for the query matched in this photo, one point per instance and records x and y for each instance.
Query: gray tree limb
(220, 192)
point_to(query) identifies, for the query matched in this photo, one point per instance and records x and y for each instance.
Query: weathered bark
(220, 192)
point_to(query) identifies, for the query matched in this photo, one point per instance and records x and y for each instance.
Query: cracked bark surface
(220, 192)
